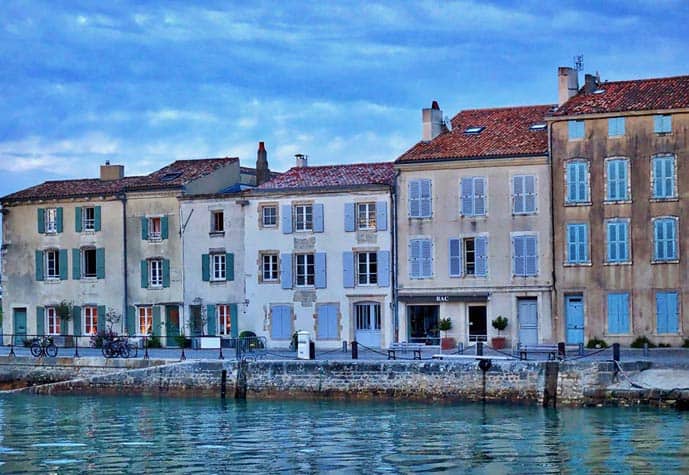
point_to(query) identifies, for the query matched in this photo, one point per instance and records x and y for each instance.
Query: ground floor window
(423, 324)
(90, 320)
(478, 327)
(224, 319)
(53, 321)
(145, 320)
(367, 316)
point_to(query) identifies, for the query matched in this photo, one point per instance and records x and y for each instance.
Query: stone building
(621, 222)
(473, 226)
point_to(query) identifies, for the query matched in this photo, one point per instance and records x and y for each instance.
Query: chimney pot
(111, 172)
(301, 160)
(432, 122)
(567, 85)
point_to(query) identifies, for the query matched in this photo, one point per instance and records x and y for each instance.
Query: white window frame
(51, 220)
(218, 269)
(303, 217)
(54, 273)
(224, 316)
(154, 235)
(90, 319)
(524, 195)
(155, 273)
(265, 216)
(366, 216)
(145, 321)
(52, 320)
(305, 270)
(214, 221)
(271, 273)
(368, 262)
(88, 223)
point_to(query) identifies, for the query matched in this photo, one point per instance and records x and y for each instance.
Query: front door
(574, 314)
(171, 323)
(527, 313)
(367, 316)
(478, 328)
(19, 326)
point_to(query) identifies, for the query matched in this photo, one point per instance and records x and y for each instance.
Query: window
(473, 197)
(665, 239)
(217, 222)
(303, 215)
(420, 258)
(224, 319)
(52, 264)
(525, 256)
(145, 320)
(366, 216)
(420, 201)
(577, 178)
(663, 177)
(367, 316)
(538, 126)
(667, 312)
(51, 220)
(618, 241)
(617, 174)
(269, 216)
(89, 267)
(53, 320)
(90, 320)
(524, 194)
(618, 313)
(575, 129)
(469, 256)
(662, 124)
(577, 243)
(155, 273)
(154, 229)
(367, 268)
(616, 127)
(218, 266)
(270, 268)
(305, 270)
(89, 216)
(473, 130)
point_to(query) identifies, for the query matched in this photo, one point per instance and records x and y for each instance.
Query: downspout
(183, 329)
(393, 230)
(554, 304)
(123, 198)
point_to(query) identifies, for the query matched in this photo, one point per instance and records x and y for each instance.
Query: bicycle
(114, 347)
(43, 346)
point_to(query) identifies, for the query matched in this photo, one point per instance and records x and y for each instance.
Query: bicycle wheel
(36, 349)
(133, 350)
(107, 349)
(123, 350)
(51, 350)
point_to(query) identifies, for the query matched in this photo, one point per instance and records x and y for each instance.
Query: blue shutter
(455, 257)
(518, 194)
(661, 312)
(286, 271)
(671, 237)
(531, 255)
(479, 196)
(349, 219)
(426, 198)
(100, 322)
(40, 220)
(166, 273)
(286, 219)
(229, 266)
(131, 320)
(623, 308)
(612, 180)
(518, 258)
(40, 321)
(583, 243)
(672, 312)
(100, 263)
(76, 264)
(658, 124)
(77, 219)
(318, 218)
(613, 313)
(234, 322)
(64, 264)
(414, 261)
(383, 258)
(205, 267)
(320, 269)
(415, 198)
(481, 256)
(144, 228)
(624, 230)
(96, 218)
(467, 191)
(658, 251)
(164, 228)
(144, 274)
(211, 319)
(530, 194)
(381, 216)
(426, 258)
(59, 220)
(40, 274)
(348, 270)
(76, 320)
(612, 235)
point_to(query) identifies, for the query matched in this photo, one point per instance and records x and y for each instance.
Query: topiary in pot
(445, 325)
(500, 323)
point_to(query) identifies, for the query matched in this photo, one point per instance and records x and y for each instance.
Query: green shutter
(77, 219)
(59, 220)
(166, 273)
(64, 326)
(144, 274)
(40, 275)
(163, 227)
(144, 228)
(100, 263)
(233, 320)
(96, 218)
(229, 266)
(210, 315)
(156, 320)
(205, 267)
(76, 264)
(76, 320)
(131, 320)
(40, 321)
(101, 318)
(40, 221)
(64, 263)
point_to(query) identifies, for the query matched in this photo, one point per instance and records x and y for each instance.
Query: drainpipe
(393, 230)
(555, 301)
(123, 198)
(184, 280)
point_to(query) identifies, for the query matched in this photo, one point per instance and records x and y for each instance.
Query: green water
(73, 434)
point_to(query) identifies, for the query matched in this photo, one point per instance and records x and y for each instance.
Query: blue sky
(144, 83)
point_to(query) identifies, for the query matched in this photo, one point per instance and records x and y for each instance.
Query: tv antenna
(579, 62)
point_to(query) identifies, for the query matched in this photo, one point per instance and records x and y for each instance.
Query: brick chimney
(432, 121)
(302, 161)
(262, 170)
(111, 172)
(567, 84)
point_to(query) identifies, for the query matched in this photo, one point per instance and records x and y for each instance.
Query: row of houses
(568, 219)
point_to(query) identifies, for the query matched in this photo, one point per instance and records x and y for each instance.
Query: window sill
(269, 282)
(155, 240)
(663, 200)
(578, 264)
(663, 134)
(514, 276)
(88, 231)
(575, 204)
(529, 213)
(617, 202)
(52, 280)
(155, 287)
(473, 216)
(625, 263)
(669, 261)
(420, 278)
(88, 279)
(218, 283)
(421, 217)
(216, 234)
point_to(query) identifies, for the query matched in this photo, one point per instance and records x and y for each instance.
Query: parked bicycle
(43, 346)
(119, 346)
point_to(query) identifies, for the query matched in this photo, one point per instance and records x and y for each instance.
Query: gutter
(123, 198)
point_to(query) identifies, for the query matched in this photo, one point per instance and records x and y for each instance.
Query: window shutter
(76, 320)
(77, 219)
(164, 227)
(286, 219)
(613, 314)
(286, 271)
(661, 312)
(211, 319)
(415, 198)
(205, 267)
(101, 318)
(383, 259)
(623, 230)
(96, 218)
(156, 321)
(144, 274)
(518, 194)
(40, 275)
(381, 216)
(481, 256)
(76, 264)
(427, 258)
(531, 255)
(467, 190)
(672, 312)
(40, 321)
(144, 228)
(321, 275)
(426, 199)
(348, 270)
(572, 249)
(455, 257)
(229, 266)
(623, 309)
(64, 264)
(671, 236)
(658, 123)
(530, 194)
(318, 218)
(234, 323)
(166, 273)
(100, 263)
(414, 259)
(518, 255)
(40, 220)
(584, 245)
(657, 237)
(349, 218)
(131, 320)
(59, 221)
(479, 196)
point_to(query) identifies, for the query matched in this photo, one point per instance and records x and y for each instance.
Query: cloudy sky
(146, 82)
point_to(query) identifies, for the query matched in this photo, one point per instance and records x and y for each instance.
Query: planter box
(448, 343)
(498, 342)
(206, 343)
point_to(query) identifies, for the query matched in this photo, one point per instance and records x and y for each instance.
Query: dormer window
(474, 130)
(170, 176)
(538, 126)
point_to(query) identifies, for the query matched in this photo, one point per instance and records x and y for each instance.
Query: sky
(144, 83)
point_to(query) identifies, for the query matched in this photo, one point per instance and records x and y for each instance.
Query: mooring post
(145, 347)
(223, 384)
(479, 348)
(11, 346)
(552, 369)
(220, 356)
(240, 384)
(616, 352)
(561, 350)
(76, 346)
(355, 350)
(581, 349)
(484, 365)
(237, 349)
(182, 357)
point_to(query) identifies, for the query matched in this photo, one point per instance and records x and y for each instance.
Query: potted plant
(64, 311)
(500, 323)
(444, 325)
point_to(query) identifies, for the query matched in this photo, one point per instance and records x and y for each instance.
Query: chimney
(590, 83)
(432, 121)
(302, 160)
(262, 170)
(111, 172)
(567, 84)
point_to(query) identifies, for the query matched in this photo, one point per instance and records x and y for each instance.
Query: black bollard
(460, 348)
(182, 357)
(616, 352)
(479, 348)
(344, 346)
(581, 349)
(646, 349)
(76, 346)
(145, 347)
(355, 350)
(223, 384)
(561, 350)
(12, 346)
(221, 356)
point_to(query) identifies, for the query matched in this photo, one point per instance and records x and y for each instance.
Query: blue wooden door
(527, 313)
(19, 325)
(574, 313)
(281, 322)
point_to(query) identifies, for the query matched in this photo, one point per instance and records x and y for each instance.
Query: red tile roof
(506, 133)
(623, 96)
(332, 176)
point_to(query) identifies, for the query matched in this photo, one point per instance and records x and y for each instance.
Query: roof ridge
(344, 165)
(659, 78)
(488, 109)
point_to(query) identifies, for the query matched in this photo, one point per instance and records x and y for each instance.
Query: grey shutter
(414, 256)
(383, 259)
(286, 219)
(381, 216)
(318, 218)
(59, 220)
(144, 228)
(479, 196)
(426, 199)
(467, 191)
(229, 266)
(144, 274)
(348, 270)
(40, 321)
(349, 217)
(76, 320)
(211, 319)
(427, 258)
(414, 198)
(530, 192)
(531, 255)
(321, 279)
(76, 264)
(77, 219)
(96, 218)
(40, 220)
(518, 194)
(286, 271)
(205, 267)
(40, 274)
(100, 263)
(455, 257)
(518, 263)
(100, 322)
(481, 256)
(164, 227)
(64, 264)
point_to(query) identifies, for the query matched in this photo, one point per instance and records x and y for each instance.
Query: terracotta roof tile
(623, 96)
(332, 176)
(506, 132)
